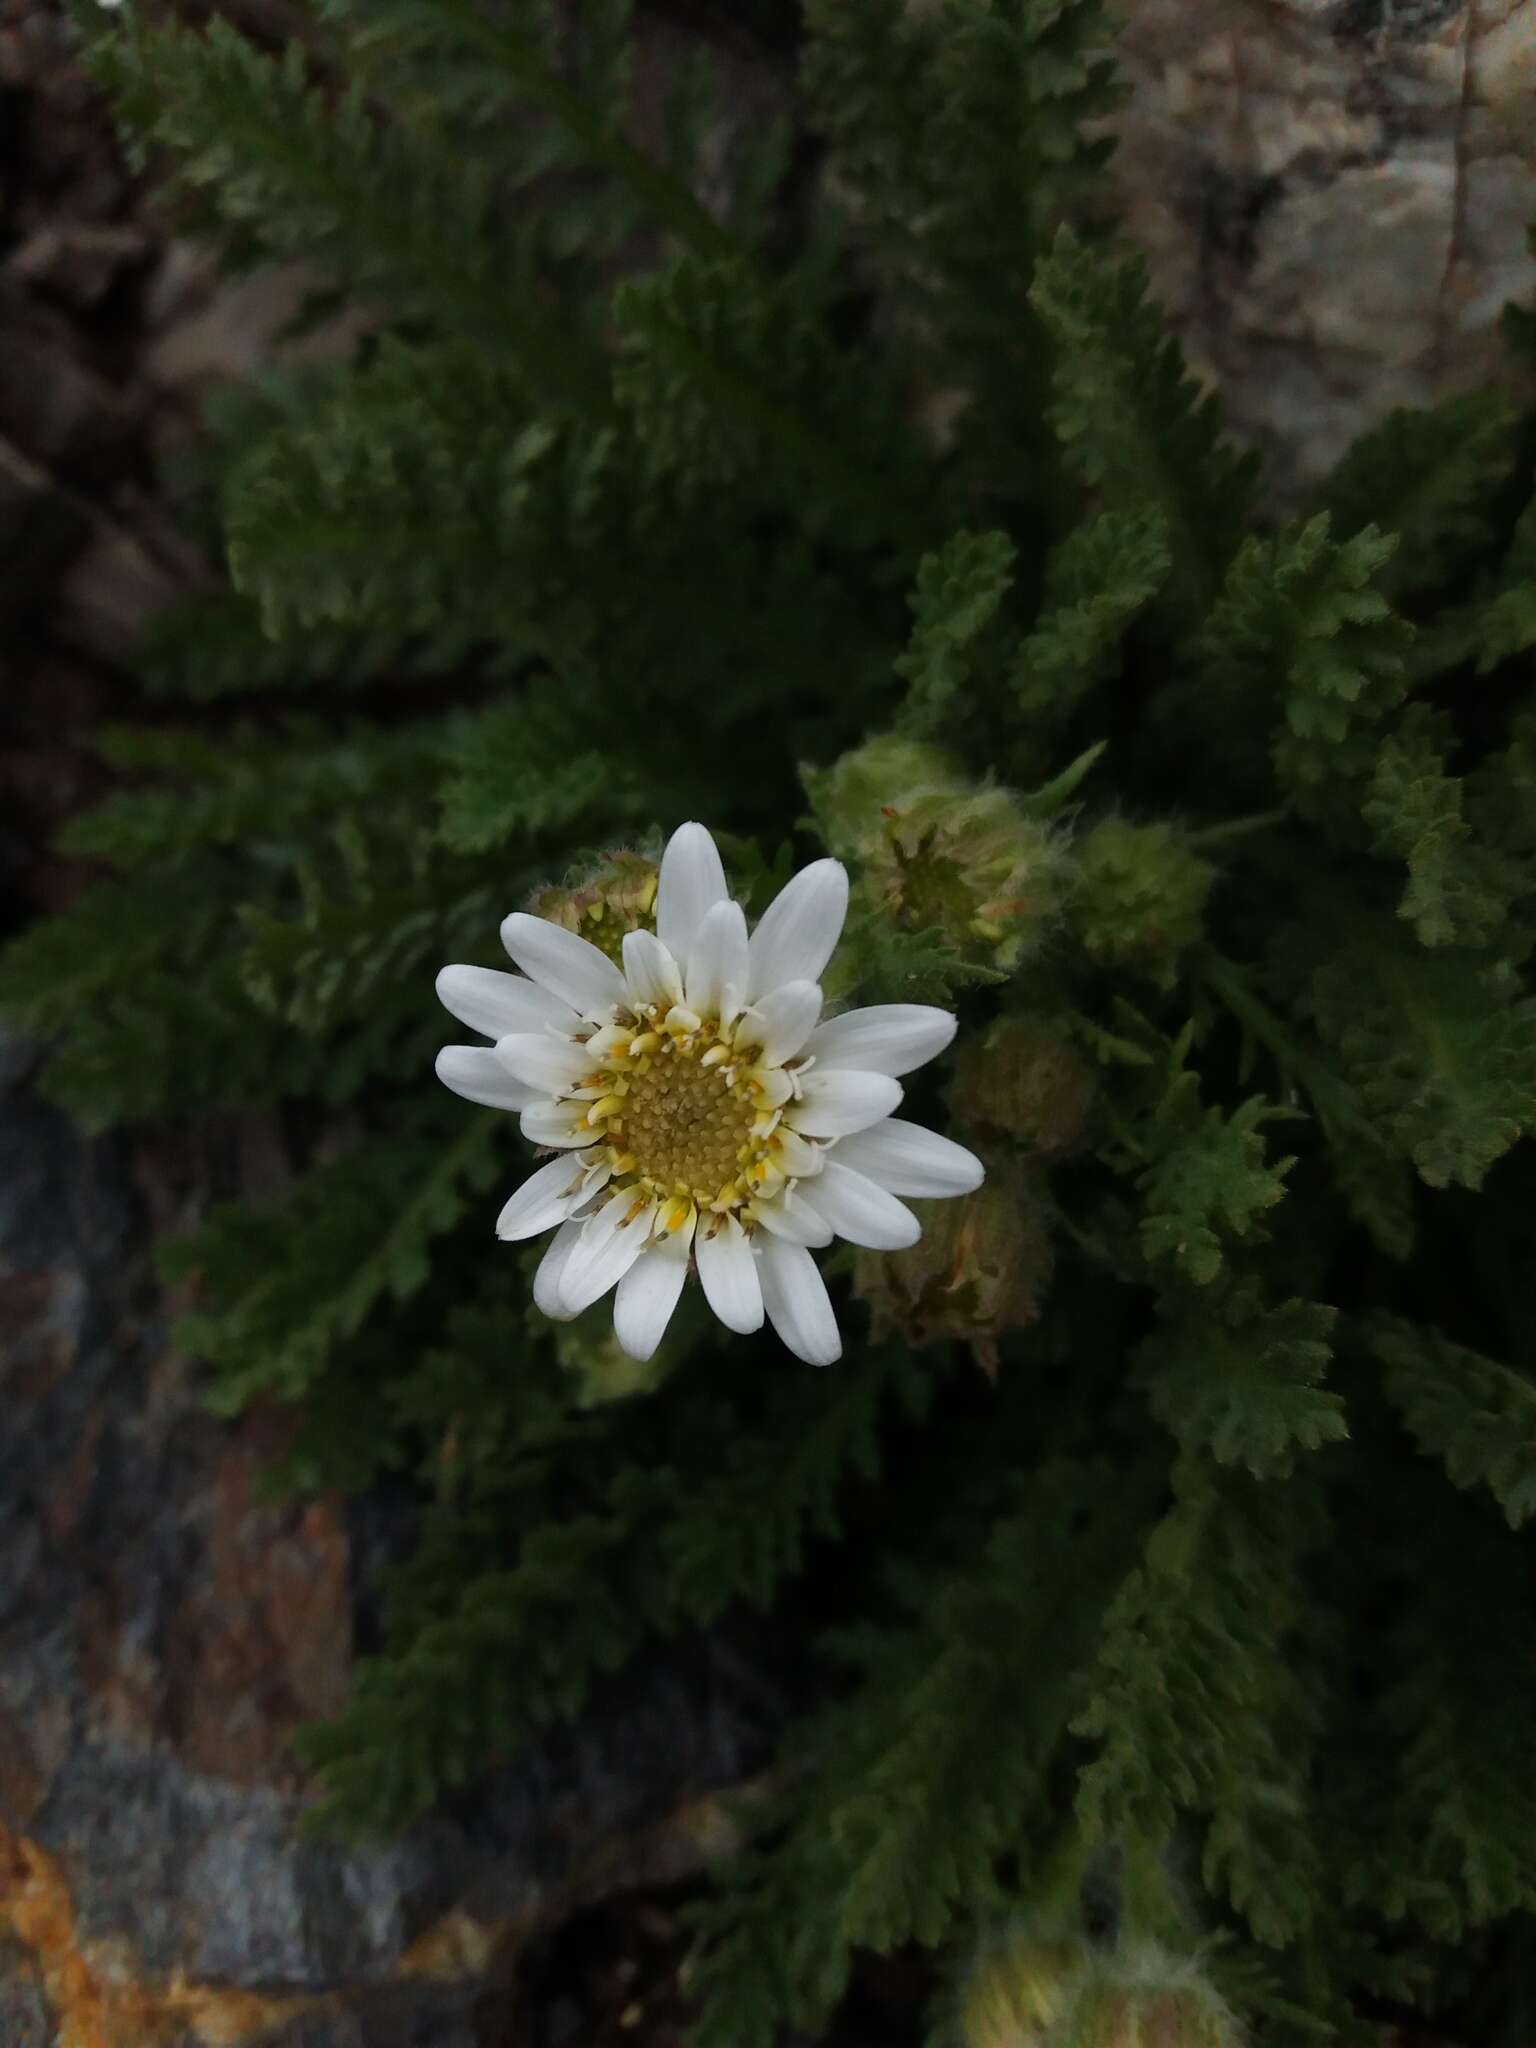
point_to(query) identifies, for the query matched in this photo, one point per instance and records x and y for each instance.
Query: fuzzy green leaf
(1431, 478)
(1480, 1417)
(1441, 1048)
(1131, 421)
(1303, 611)
(1200, 1704)
(1212, 1180)
(1242, 1380)
(1458, 891)
(279, 1287)
(1103, 575)
(955, 604)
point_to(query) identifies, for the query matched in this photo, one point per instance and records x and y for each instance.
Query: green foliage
(1440, 1049)
(1300, 623)
(1100, 578)
(1432, 478)
(1458, 890)
(1478, 1416)
(1233, 1377)
(669, 1544)
(666, 462)
(959, 591)
(907, 1803)
(1457, 1723)
(1132, 425)
(1214, 1174)
(1200, 1700)
(291, 1282)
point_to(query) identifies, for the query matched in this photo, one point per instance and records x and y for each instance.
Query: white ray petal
(782, 1021)
(728, 1274)
(568, 966)
(795, 1297)
(859, 1210)
(798, 932)
(785, 1215)
(545, 1198)
(648, 1293)
(560, 1124)
(794, 1156)
(837, 1103)
(498, 1003)
(652, 973)
(551, 1270)
(717, 959)
(908, 1159)
(690, 883)
(888, 1038)
(549, 1064)
(474, 1072)
(607, 1249)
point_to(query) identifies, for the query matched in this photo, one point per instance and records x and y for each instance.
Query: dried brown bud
(1024, 1080)
(980, 1268)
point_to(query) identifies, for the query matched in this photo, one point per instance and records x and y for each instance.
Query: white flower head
(701, 1112)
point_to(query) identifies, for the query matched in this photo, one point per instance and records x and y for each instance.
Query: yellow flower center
(687, 1115)
(687, 1128)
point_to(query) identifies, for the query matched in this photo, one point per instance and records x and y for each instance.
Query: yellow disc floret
(688, 1116)
(686, 1126)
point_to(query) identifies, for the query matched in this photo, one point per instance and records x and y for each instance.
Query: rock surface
(162, 1632)
(1335, 196)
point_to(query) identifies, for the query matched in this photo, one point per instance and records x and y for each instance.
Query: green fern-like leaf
(1440, 1047)
(1242, 1380)
(910, 1801)
(1198, 1700)
(1431, 478)
(475, 1670)
(1214, 1179)
(1459, 1850)
(278, 161)
(1303, 611)
(1103, 575)
(280, 1287)
(1478, 1416)
(1459, 891)
(1131, 422)
(955, 604)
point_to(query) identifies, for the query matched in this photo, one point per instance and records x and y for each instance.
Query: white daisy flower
(700, 1111)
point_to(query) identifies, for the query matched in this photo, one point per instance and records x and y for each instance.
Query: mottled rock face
(1335, 199)
(163, 1630)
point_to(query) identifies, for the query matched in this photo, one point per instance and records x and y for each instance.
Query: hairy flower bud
(1146, 2000)
(1025, 1080)
(979, 1269)
(940, 854)
(1019, 1986)
(1140, 898)
(615, 898)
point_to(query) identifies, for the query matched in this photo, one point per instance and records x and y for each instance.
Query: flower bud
(1023, 1079)
(1140, 898)
(939, 854)
(615, 898)
(1017, 1989)
(979, 1269)
(1147, 2000)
